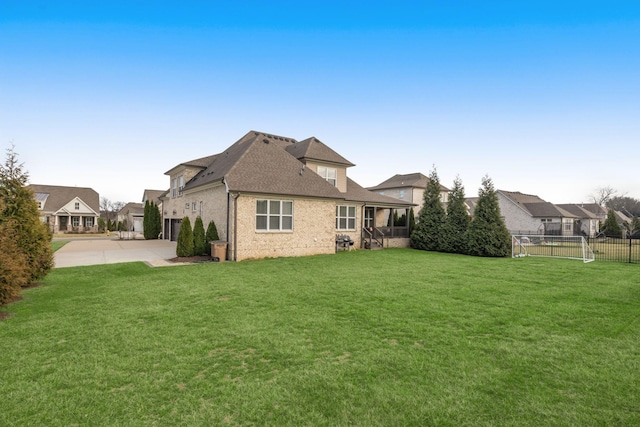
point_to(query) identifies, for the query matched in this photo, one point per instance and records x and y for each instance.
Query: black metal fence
(615, 249)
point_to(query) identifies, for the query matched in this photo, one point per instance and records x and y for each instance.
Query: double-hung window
(345, 217)
(329, 174)
(274, 215)
(180, 184)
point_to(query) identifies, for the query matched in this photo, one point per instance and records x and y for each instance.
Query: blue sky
(544, 96)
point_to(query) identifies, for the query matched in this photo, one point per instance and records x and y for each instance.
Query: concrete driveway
(108, 251)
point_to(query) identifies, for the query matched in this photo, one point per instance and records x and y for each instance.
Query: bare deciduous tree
(603, 195)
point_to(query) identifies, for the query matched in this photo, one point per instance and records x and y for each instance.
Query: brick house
(272, 196)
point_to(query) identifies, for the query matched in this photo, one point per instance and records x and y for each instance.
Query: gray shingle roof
(57, 196)
(578, 211)
(132, 208)
(270, 164)
(536, 206)
(411, 180)
(357, 193)
(153, 195)
(314, 149)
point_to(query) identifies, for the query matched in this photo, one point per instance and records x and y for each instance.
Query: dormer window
(329, 174)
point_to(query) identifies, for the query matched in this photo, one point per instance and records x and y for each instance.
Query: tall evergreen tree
(611, 227)
(14, 269)
(488, 235)
(457, 223)
(157, 219)
(152, 220)
(199, 247)
(211, 235)
(428, 232)
(185, 246)
(147, 221)
(20, 213)
(412, 221)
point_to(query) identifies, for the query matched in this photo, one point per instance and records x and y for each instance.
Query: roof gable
(58, 196)
(411, 180)
(264, 167)
(76, 206)
(314, 149)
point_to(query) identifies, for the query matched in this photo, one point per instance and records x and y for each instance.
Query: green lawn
(372, 338)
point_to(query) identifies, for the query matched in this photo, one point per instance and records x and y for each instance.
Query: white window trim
(269, 215)
(327, 172)
(180, 185)
(346, 218)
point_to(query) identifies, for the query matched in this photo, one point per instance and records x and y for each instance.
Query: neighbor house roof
(357, 193)
(411, 180)
(577, 210)
(152, 195)
(536, 206)
(271, 164)
(596, 209)
(57, 196)
(132, 208)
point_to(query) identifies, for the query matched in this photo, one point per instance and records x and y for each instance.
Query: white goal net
(572, 247)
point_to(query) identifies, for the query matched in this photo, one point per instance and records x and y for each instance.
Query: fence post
(630, 249)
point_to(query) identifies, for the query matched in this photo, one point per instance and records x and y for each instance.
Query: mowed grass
(373, 338)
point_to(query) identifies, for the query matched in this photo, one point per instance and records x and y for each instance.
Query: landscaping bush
(14, 268)
(199, 244)
(20, 219)
(185, 247)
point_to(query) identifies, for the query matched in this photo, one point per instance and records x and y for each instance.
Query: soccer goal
(572, 247)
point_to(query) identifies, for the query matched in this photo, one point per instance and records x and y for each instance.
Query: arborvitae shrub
(185, 246)
(14, 267)
(21, 219)
(199, 247)
(156, 220)
(147, 229)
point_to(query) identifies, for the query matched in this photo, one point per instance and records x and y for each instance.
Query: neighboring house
(132, 216)
(272, 196)
(409, 188)
(154, 196)
(599, 212)
(587, 223)
(68, 209)
(529, 214)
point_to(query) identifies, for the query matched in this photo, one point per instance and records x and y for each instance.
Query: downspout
(235, 226)
(233, 241)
